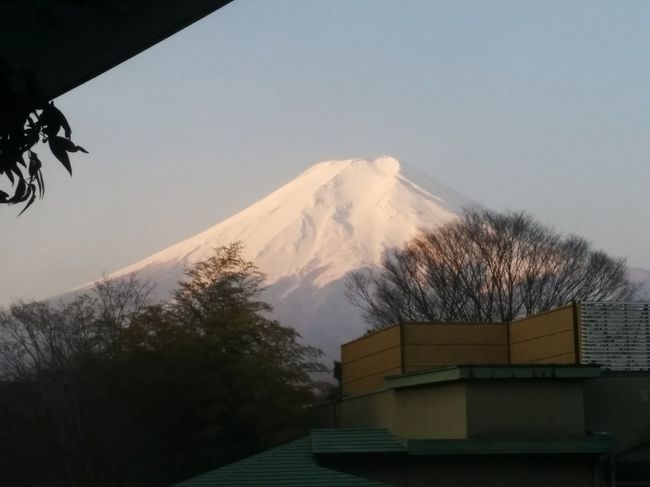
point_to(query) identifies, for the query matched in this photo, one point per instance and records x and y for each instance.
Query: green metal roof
(587, 445)
(467, 372)
(287, 465)
(355, 440)
(294, 464)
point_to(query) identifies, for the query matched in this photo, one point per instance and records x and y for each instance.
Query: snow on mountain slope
(334, 218)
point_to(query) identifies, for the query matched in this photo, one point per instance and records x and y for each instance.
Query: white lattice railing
(615, 335)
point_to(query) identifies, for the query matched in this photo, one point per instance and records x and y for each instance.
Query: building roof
(592, 444)
(288, 465)
(295, 464)
(379, 440)
(482, 372)
(355, 440)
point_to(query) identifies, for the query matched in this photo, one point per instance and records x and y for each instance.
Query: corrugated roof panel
(287, 465)
(355, 440)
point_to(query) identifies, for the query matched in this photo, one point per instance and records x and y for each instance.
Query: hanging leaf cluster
(20, 165)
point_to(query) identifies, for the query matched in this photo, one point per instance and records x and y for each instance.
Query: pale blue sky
(542, 106)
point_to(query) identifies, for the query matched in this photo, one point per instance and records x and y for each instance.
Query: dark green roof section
(593, 444)
(480, 372)
(355, 440)
(287, 465)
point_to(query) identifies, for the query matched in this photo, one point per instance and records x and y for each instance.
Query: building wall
(438, 411)
(504, 471)
(544, 338)
(473, 470)
(419, 412)
(367, 360)
(430, 345)
(525, 408)
(619, 404)
(374, 410)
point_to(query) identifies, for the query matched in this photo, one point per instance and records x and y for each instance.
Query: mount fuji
(334, 218)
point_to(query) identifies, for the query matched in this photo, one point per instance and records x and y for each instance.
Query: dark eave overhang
(499, 372)
(62, 44)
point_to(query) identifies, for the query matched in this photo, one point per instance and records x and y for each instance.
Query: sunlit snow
(334, 218)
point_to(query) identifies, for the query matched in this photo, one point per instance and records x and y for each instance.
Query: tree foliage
(108, 390)
(486, 266)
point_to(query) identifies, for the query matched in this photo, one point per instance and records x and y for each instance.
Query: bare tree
(54, 361)
(37, 336)
(485, 266)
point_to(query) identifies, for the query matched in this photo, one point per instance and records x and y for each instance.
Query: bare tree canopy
(486, 266)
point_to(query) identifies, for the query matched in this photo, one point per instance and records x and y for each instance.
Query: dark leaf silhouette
(32, 190)
(71, 146)
(35, 173)
(41, 184)
(53, 120)
(20, 194)
(25, 121)
(34, 164)
(58, 147)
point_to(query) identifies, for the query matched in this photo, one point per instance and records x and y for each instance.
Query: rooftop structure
(500, 404)
(615, 336)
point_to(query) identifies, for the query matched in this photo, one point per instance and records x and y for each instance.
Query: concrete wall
(523, 408)
(367, 360)
(472, 470)
(439, 411)
(429, 345)
(544, 338)
(619, 404)
(513, 408)
(503, 471)
(375, 410)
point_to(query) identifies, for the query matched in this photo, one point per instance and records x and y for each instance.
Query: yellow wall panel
(455, 354)
(372, 364)
(544, 338)
(369, 344)
(440, 333)
(542, 324)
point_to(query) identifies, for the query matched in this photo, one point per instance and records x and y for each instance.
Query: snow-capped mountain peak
(307, 236)
(334, 218)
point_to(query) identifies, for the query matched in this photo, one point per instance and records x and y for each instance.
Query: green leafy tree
(107, 390)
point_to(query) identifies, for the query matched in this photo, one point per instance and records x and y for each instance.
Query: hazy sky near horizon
(541, 106)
